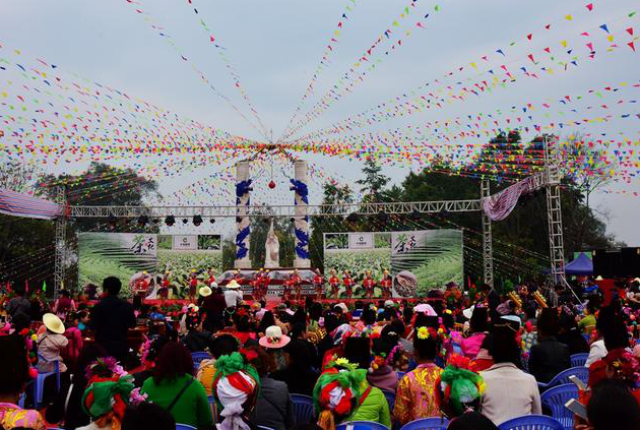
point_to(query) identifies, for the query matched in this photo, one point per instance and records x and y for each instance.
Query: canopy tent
(24, 205)
(582, 265)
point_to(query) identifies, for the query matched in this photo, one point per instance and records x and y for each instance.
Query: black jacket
(110, 320)
(548, 357)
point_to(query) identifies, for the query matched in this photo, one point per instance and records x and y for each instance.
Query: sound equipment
(613, 263)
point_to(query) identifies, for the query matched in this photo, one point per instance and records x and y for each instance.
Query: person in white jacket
(509, 392)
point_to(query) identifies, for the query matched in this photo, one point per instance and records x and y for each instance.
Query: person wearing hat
(274, 342)
(193, 285)
(233, 294)
(51, 343)
(235, 388)
(205, 291)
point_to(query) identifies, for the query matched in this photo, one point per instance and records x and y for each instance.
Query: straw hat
(273, 338)
(233, 285)
(205, 291)
(53, 323)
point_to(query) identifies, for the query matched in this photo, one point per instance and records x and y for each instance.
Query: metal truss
(487, 239)
(60, 246)
(288, 211)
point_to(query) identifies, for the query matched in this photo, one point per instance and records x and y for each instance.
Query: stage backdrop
(115, 254)
(423, 260)
(418, 260)
(123, 255)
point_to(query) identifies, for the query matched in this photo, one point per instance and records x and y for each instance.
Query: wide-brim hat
(233, 285)
(425, 308)
(273, 338)
(205, 291)
(53, 323)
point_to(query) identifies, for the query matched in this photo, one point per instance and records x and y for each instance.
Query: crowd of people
(474, 357)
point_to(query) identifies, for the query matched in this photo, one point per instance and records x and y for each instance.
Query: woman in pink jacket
(479, 325)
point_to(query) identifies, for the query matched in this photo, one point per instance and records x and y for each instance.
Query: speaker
(612, 263)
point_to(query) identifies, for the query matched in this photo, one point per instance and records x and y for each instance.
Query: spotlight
(156, 220)
(212, 220)
(170, 220)
(352, 217)
(184, 220)
(266, 220)
(143, 220)
(197, 220)
(383, 216)
(415, 215)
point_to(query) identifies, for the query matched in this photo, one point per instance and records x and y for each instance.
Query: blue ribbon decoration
(301, 189)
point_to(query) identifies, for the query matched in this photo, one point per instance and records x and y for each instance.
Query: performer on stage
(318, 284)
(163, 292)
(256, 285)
(193, 285)
(212, 278)
(287, 286)
(386, 284)
(296, 283)
(334, 284)
(264, 287)
(368, 283)
(348, 282)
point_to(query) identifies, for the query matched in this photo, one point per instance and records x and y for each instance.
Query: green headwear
(100, 398)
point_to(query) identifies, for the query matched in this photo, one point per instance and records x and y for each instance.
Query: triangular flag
(632, 46)
(44, 286)
(548, 26)
(529, 36)
(604, 27)
(590, 7)
(630, 30)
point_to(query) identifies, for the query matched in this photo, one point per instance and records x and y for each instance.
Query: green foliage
(181, 263)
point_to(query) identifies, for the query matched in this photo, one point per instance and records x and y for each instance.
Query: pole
(243, 223)
(487, 239)
(60, 244)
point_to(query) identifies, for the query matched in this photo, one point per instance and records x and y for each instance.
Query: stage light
(212, 220)
(197, 220)
(416, 215)
(143, 220)
(185, 220)
(170, 220)
(156, 220)
(383, 216)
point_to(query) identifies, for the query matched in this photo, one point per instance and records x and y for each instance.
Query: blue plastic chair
(391, 398)
(362, 425)
(264, 428)
(563, 377)
(427, 424)
(302, 408)
(555, 398)
(197, 358)
(579, 360)
(38, 387)
(531, 422)
(185, 427)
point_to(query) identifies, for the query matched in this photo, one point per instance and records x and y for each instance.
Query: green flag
(44, 286)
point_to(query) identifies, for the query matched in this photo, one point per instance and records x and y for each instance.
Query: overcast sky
(275, 46)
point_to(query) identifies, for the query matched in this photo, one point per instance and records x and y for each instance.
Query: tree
(374, 182)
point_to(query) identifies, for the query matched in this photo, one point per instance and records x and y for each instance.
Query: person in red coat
(385, 285)
(318, 284)
(334, 283)
(368, 284)
(348, 282)
(296, 284)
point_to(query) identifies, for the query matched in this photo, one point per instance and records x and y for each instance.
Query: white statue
(272, 246)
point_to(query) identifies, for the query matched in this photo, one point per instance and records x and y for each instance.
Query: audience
(173, 387)
(549, 356)
(111, 318)
(146, 416)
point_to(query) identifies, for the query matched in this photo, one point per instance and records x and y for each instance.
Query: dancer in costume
(296, 283)
(163, 292)
(266, 279)
(318, 284)
(348, 282)
(368, 283)
(386, 284)
(287, 286)
(212, 277)
(334, 284)
(193, 285)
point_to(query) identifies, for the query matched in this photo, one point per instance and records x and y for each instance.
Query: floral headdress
(107, 395)
(337, 392)
(458, 387)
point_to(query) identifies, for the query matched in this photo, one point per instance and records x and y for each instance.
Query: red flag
(548, 26)
(630, 30)
(590, 7)
(632, 46)
(531, 58)
(529, 36)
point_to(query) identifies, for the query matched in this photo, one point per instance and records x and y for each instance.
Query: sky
(275, 46)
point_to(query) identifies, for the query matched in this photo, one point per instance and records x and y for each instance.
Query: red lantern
(272, 185)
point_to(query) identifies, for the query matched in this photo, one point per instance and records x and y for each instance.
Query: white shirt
(597, 351)
(510, 393)
(233, 298)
